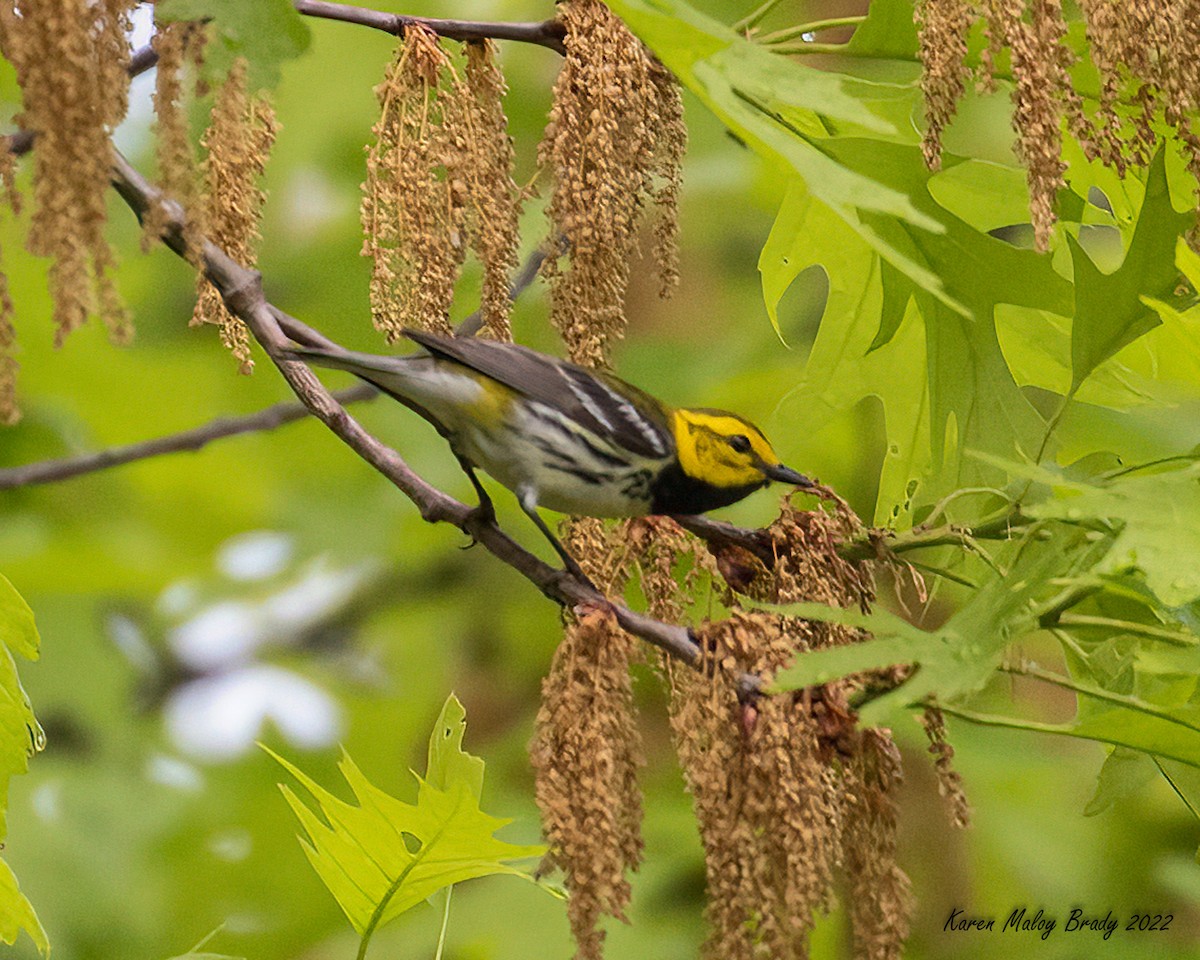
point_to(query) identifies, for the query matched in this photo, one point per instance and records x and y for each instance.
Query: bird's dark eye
(740, 442)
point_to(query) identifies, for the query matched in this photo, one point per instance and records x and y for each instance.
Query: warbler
(567, 438)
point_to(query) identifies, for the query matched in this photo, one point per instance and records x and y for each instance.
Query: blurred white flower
(219, 637)
(175, 773)
(257, 555)
(220, 717)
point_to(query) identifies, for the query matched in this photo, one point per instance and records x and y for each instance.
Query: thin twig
(1149, 465)
(753, 19)
(543, 33)
(529, 271)
(52, 471)
(1034, 672)
(814, 26)
(998, 527)
(65, 468)
(719, 533)
(940, 507)
(1178, 638)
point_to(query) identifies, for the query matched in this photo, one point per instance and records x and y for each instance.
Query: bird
(566, 438)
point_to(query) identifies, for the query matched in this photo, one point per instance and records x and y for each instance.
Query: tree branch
(52, 471)
(544, 33)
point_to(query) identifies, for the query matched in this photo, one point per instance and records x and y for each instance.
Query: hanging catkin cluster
(789, 794)
(179, 45)
(438, 181)
(615, 141)
(943, 27)
(762, 791)
(878, 895)
(1147, 55)
(71, 58)
(487, 158)
(238, 140)
(587, 750)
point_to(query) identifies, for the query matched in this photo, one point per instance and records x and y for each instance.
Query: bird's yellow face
(722, 449)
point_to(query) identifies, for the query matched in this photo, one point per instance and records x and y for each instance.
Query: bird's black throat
(674, 492)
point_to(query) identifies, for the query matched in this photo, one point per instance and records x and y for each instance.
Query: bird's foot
(483, 515)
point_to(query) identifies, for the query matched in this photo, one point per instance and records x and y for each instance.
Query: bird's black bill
(787, 475)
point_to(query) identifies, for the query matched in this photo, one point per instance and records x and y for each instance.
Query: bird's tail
(412, 379)
(368, 366)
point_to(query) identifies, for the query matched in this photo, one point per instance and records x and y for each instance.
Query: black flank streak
(584, 475)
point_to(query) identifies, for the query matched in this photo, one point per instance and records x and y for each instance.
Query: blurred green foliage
(130, 846)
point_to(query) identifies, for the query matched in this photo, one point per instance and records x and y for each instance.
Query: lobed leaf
(17, 913)
(786, 112)
(1110, 311)
(381, 856)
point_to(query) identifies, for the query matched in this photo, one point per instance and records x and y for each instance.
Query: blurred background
(273, 587)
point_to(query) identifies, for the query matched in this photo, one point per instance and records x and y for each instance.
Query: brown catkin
(238, 140)
(439, 182)
(10, 412)
(489, 161)
(413, 210)
(949, 779)
(177, 44)
(1037, 111)
(943, 25)
(587, 749)
(71, 58)
(615, 141)
(8, 177)
(615, 124)
(879, 897)
(789, 794)
(586, 752)
(808, 566)
(763, 796)
(657, 544)
(669, 149)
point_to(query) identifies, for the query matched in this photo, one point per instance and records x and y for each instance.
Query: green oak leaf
(1110, 311)
(1124, 773)
(954, 393)
(17, 914)
(383, 856)
(785, 111)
